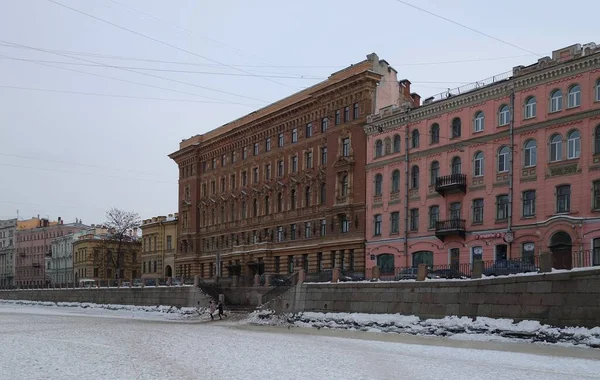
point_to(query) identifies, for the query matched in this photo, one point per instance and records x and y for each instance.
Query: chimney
(416, 99)
(404, 90)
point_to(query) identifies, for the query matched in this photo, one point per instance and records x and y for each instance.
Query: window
(280, 140)
(477, 210)
(324, 124)
(395, 222)
(598, 90)
(415, 138)
(307, 230)
(255, 152)
(233, 156)
(434, 172)
(232, 181)
(478, 164)
(214, 163)
(597, 139)
(293, 199)
(344, 223)
(574, 96)
(338, 118)
(377, 225)
(309, 130)
(414, 177)
(573, 144)
(556, 101)
(307, 196)
(294, 165)
(355, 111)
(244, 210)
(294, 135)
(455, 211)
(456, 128)
(414, 219)
(478, 123)
(279, 233)
(456, 167)
(244, 153)
(255, 207)
(503, 153)
(267, 205)
(308, 159)
(268, 172)
(277, 264)
(476, 254)
(596, 195)
(323, 230)
(378, 184)
(563, 198)
(279, 202)
(292, 232)
(397, 143)
(280, 168)
(323, 155)
(396, 181)
(555, 148)
(268, 144)
(169, 242)
(346, 114)
(530, 153)
(596, 252)
(323, 194)
(530, 107)
(435, 133)
(528, 252)
(434, 216)
(344, 184)
(502, 207)
(223, 160)
(503, 115)
(346, 147)
(255, 175)
(378, 148)
(529, 203)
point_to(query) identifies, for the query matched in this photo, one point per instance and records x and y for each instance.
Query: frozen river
(52, 343)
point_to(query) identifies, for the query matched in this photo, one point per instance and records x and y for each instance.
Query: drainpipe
(511, 167)
(406, 189)
(162, 249)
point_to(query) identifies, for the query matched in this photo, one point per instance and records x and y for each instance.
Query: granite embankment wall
(560, 299)
(178, 296)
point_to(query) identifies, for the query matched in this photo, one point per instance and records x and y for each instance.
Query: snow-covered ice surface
(460, 328)
(42, 342)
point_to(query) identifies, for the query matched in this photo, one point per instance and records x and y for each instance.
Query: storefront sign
(488, 236)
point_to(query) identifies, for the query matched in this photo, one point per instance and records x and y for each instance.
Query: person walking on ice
(212, 309)
(220, 307)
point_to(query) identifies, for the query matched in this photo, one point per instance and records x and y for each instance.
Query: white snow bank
(463, 328)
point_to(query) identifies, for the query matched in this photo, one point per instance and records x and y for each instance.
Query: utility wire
(160, 42)
(464, 26)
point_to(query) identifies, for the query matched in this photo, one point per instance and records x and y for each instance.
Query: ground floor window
(385, 262)
(422, 257)
(528, 252)
(501, 252)
(476, 254)
(596, 252)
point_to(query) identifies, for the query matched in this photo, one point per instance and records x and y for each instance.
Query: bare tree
(118, 244)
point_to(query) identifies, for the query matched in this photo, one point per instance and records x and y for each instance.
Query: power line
(141, 73)
(118, 96)
(464, 26)
(159, 41)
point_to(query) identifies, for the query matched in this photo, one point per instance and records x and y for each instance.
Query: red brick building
(506, 168)
(283, 187)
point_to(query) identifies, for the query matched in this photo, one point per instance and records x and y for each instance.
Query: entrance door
(501, 252)
(561, 248)
(454, 258)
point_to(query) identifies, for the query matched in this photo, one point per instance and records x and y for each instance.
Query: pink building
(460, 192)
(33, 240)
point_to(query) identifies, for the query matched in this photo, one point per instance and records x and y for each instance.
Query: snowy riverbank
(461, 328)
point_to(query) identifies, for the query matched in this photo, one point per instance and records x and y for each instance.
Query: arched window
(378, 148)
(530, 107)
(574, 97)
(307, 196)
(503, 153)
(323, 194)
(573, 144)
(293, 199)
(478, 164)
(387, 145)
(503, 115)
(267, 205)
(378, 184)
(435, 133)
(456, 127)
(396, 181)
(255, 208)
(279, 202)
(555, 101)
(479, 121)
(530, 153)
(597, 139)
(397, 143)
(344, 185)
(434, 172)
(415, 138)
(414, 177)
(598, 90)
(555, 147)
(456, 167)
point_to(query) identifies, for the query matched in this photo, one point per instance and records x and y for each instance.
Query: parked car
(125, 284)
(175, 281)
(351, 276)
(448, 274)
(276, 280)
(506, 267)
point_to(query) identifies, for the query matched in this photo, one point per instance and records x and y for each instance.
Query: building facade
(495, 171)
(95, 257)
(283, 187)
(33, 239)
(7, 251)
(159, 241)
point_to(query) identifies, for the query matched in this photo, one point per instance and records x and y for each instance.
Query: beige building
(96, 257)
(159, 236)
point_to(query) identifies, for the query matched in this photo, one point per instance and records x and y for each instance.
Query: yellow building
(95, 256)
(159, 236)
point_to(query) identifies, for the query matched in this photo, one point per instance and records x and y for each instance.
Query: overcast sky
(75, 155)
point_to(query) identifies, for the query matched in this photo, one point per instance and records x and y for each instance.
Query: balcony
(450, 227)
(451, 183)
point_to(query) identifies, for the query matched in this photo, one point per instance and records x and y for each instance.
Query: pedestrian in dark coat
(220, 307)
